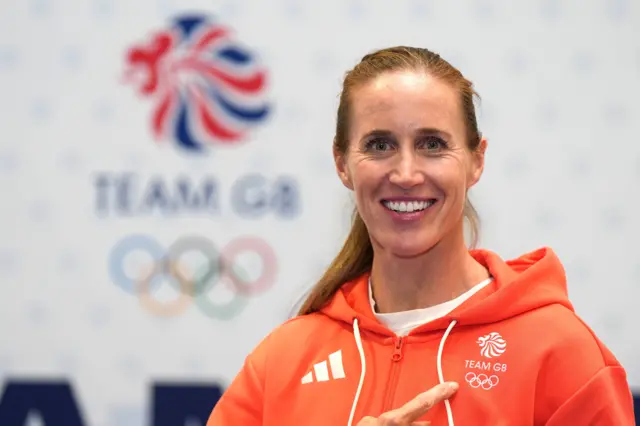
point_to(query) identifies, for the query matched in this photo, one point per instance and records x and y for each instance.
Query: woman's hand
(414, 409)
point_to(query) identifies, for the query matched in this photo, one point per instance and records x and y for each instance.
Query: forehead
(403, 100)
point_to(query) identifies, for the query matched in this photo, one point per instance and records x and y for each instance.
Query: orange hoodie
(517, 349)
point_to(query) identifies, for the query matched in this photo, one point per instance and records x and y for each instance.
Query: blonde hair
(356, 256)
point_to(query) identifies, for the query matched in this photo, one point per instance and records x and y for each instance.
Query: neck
(441, 274)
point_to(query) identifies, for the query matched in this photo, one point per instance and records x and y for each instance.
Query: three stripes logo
(323, 372)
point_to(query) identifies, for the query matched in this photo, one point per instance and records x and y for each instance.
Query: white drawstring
(439, 365)
(356, 333)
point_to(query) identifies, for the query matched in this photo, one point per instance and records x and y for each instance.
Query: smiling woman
(409, 147)
(406, 292)
(394, 100)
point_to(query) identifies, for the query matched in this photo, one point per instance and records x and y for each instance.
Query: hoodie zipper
(392, 383)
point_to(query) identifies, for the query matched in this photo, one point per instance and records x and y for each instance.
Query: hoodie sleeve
(580, 381)
(605, 400)
(242, 402)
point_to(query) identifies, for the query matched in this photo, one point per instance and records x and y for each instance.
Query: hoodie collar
(529, 282)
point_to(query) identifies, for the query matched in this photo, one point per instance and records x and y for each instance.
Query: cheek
(364, 174)
(450, 176)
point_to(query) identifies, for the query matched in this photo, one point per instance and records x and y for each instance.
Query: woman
(408, 325)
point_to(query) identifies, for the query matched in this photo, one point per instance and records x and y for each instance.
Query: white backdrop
(559, 80)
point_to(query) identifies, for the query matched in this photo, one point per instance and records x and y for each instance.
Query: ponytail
(355, 258)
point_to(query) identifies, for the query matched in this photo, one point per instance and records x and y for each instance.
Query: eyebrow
(424, 131)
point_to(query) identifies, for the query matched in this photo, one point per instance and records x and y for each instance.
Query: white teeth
(407, 206)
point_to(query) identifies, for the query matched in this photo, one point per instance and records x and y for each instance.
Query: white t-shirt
(402, 323)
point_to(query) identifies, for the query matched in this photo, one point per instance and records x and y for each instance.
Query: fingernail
(453, 386)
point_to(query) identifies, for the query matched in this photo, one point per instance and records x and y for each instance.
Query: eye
(378, 145)
(433, 143)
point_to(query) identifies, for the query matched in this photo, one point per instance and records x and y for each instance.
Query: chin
(403, 247)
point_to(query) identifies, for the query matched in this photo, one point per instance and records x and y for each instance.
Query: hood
(529, 282)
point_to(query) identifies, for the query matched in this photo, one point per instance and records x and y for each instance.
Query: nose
(406, 172)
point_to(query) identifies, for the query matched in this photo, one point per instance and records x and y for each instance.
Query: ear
(342, 169)
(477, 162)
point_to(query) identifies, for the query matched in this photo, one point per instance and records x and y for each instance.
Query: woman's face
(408, 162)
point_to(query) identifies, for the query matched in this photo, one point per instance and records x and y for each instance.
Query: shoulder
(562, 334)
(574, 365)
(569, 355)
(285, 355)
(295, 336)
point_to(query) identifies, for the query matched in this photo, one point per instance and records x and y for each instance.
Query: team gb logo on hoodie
(492, 345)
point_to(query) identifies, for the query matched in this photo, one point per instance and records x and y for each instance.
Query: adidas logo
(320, 372)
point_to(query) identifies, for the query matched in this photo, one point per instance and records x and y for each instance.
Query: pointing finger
(422, 403)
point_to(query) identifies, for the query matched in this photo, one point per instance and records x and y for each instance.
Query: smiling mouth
(408, 206)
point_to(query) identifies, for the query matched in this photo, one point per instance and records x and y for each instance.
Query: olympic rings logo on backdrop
(481, 380)
(193, 284)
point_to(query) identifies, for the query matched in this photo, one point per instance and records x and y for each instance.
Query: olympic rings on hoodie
(219, 267)
(481, 380)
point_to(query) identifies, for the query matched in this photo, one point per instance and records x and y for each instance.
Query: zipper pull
(397, 350)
